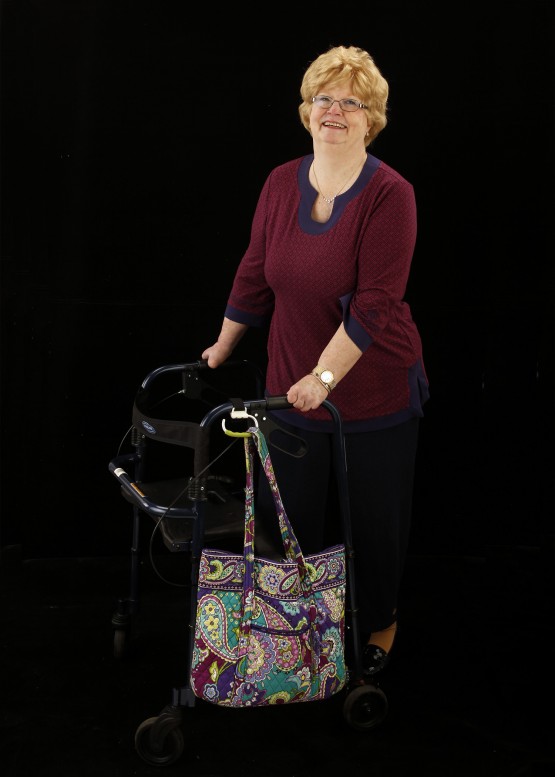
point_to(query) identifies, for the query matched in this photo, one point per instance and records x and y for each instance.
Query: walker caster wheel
(158, 746)
(365, 707)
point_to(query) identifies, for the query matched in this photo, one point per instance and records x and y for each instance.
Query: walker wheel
(365, 707)
(156, 746)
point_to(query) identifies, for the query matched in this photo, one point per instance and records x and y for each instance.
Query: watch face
(327, 376)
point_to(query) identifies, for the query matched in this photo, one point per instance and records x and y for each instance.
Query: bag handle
(293, 552)
(290, 543)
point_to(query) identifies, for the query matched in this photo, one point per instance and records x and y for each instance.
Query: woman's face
(335, 125)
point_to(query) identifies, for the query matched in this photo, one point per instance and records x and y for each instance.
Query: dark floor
(470, 686)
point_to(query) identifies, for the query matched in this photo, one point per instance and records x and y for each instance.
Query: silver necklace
(330, 200)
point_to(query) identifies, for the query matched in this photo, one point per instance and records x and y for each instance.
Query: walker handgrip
(282, 403)
(278, 403)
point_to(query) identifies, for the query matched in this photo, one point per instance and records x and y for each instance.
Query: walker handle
(278, 403)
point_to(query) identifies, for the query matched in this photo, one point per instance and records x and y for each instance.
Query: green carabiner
(239, 414)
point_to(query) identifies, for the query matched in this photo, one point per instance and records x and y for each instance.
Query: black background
(135, 139)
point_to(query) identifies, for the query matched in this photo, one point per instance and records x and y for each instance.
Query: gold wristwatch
(325, 376)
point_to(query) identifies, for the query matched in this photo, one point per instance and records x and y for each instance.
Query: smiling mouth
(333, 124)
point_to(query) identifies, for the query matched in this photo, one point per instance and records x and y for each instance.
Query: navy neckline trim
(309, 193)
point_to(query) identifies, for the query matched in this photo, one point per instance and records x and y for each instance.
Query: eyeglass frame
(343, 99)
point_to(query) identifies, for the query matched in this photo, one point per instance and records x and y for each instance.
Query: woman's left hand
(307, 394)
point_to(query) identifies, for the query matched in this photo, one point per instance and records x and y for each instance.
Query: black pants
(380, 476)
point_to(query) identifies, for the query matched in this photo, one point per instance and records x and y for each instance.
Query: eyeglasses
(323, 101)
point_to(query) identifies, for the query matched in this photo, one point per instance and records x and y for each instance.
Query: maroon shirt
(305, 277)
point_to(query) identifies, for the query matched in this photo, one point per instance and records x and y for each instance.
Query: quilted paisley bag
(269, 632)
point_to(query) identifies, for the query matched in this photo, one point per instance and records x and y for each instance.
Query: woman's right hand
(216, 354)
(228, 338)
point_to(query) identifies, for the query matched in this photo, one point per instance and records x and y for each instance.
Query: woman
(327, 266)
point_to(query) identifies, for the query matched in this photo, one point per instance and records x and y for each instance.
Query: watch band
(325, 376)
(318, 378)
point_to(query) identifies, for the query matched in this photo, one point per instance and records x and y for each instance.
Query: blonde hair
(347, 63)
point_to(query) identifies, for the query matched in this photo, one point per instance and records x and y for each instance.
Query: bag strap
(290, 542)
(256, 441)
